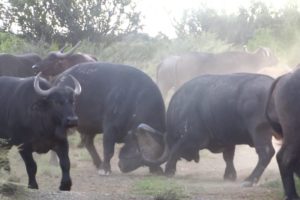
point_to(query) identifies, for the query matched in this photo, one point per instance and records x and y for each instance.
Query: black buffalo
(114, 101)
(285, 100)
(217, 112)
(55, 63)
(35, 117)
(58, 61)
(174, 71)
(18, 65)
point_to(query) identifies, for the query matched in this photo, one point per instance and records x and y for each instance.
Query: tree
(4, 16)
(73, 20)
(238, 28)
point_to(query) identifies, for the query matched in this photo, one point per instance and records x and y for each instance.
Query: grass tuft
(161, 188)
(169, 195)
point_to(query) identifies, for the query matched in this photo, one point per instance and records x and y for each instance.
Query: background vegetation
(111, 30)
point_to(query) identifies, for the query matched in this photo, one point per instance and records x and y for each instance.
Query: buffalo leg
(173, 158)
(31, 167)
(89, 144)
(62, 151)
(108, 148)
(265, 154)
(171, 166)
(230, 173)
(287, 159)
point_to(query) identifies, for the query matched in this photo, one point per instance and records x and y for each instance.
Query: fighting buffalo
(115, 99)
(216, 112)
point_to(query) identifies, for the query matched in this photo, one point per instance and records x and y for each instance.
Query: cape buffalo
(114, 101)
(216, 112)
(35, 117)
(58, 61)
(284, 98)
(18, 65)
(176, 70)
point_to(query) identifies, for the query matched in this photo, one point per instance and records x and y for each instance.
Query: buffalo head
(57, 62)
(58, 104)
(142, 147)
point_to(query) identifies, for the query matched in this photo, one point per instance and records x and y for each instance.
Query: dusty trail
(200, 181)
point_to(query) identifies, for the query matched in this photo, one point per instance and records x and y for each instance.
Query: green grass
(276, 185)
(161, 188)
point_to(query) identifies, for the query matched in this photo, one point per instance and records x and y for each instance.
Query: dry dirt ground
(196, 181)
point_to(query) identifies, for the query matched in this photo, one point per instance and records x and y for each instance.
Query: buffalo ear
(40, 105)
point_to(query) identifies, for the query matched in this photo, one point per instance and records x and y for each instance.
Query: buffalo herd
(219, 102)
(174, 71)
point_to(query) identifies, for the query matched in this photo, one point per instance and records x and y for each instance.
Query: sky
(160, 14)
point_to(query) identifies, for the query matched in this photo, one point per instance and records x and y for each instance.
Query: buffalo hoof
(247, 184)
(65, 186)
(170, 173)
(33, 186)
(102, 172)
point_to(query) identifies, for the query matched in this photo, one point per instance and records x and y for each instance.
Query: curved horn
(164, 157)
(267, 51)
(145, 127)
(263, 51)
(63, 48)
(77, 89)
(71, 51)
(34, 66)
(36, 85)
